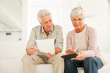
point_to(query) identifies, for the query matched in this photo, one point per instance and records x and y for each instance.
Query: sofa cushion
(12, 50)
(11, 66)
(44, 68)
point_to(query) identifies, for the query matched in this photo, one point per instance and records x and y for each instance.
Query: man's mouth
(49, 26)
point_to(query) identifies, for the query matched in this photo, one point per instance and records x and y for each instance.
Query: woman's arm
(92, 43)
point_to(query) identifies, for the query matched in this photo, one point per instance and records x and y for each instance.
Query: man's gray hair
(42, 13)
(76, 11)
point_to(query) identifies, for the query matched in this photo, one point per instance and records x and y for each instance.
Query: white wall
(97, 16)
(24, 20)
(15, 36)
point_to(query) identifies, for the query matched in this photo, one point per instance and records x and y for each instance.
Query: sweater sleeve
(92, 43)
(68, 41)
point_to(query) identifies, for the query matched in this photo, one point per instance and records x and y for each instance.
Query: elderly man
(44, 31)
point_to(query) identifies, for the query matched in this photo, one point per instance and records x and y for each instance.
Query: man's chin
(49, 29)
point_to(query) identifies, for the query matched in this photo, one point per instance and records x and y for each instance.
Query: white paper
(46, 45)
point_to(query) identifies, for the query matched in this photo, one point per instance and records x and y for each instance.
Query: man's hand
(80, 55)
(57, 50)
(31, 50)
(49, 55)
(70, 51)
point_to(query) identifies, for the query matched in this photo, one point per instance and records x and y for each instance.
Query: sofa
(12, 52)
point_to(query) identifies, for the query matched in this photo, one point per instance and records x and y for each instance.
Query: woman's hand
(70, 51)
(80, 55)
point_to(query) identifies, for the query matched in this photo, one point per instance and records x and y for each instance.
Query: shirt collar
(44, 31)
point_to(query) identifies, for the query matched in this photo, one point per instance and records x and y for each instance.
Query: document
(46, 45)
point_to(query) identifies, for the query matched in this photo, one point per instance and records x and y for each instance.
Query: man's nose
(49, 23)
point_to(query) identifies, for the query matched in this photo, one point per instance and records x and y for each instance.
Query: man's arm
(31, 42)
(32, 39)
(59, 40)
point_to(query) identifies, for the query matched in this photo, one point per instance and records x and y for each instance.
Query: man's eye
(45, 22)
(49, 20)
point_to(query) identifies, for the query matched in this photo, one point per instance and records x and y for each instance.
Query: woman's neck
(80, 30)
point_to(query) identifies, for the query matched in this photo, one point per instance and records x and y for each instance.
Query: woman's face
(78, 21)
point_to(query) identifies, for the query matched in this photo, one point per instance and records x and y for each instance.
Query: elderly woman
(83, 41)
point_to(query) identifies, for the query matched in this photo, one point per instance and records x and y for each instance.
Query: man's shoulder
(36, 27)
(57, 27)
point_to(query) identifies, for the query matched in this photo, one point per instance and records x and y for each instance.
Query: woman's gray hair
(42, 13)
(76, 11)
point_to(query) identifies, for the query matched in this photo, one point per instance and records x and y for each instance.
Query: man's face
(78, 21)
(47, 23)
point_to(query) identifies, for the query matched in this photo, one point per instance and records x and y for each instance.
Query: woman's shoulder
(90, 28)
(91, 31)
(71, 32)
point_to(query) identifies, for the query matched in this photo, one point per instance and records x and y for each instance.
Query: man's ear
(41, 24)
